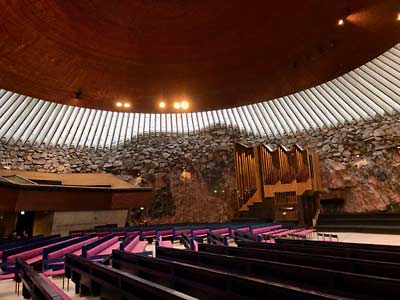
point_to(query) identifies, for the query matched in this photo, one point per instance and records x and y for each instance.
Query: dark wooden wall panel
(8, 198)
(35, 200)
(131, 200)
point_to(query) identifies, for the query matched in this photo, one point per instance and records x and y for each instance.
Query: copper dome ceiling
(217, 54)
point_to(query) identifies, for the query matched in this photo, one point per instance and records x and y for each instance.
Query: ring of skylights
(367, 92)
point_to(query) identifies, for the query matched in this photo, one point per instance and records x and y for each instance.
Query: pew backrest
(97, 246)
(361, 246)
(37, 285)
(352, 265)
(215, 238)
(114, 282)
(59, 250)
(211, 284)
(320, 279)
(390, 256)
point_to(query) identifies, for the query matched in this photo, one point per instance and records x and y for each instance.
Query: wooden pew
(351, 265)
(112, 284)
(36, 286)
(247, 236)
(221, 231)
(325, 281)
(391, 257)
(6, 244)
(100, 248)
(185, 240)
(133, 244)
(206, 283)
(216, 239)
(53, 256)
(32, 253)
(341, 245)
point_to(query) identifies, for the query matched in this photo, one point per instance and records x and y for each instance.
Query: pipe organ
(270, 166)
(286, 165)
(286, 180)
(245, 173)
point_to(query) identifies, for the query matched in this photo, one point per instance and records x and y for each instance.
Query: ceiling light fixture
(118, 104)
(398, 17)
(162, 104)
(177, 105)
(185, 105)
(127, 105)
(340, 22)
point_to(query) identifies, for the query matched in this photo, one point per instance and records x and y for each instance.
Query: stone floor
(368, 238)
(7, 287)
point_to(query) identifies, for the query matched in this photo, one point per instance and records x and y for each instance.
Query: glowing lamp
(185, 105)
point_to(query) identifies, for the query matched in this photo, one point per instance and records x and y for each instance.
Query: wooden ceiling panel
(216, 54)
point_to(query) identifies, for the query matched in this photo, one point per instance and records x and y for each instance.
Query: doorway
(25, 223)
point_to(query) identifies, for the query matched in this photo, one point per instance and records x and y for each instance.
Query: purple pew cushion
(221, 231)
(109, 249)
(199, 232)
(101, 247)
(180, 231)
(165, 233)
(167, 244)
(135, 246)
(148, 233)
(265, 229)
(70, 249)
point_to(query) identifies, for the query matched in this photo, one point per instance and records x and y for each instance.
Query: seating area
(228, 261)
(252, 270)
(31, 251)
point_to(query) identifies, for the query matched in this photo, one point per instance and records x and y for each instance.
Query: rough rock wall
(207, 197)
(360, 158)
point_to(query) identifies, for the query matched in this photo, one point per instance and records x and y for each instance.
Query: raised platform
(388, 223)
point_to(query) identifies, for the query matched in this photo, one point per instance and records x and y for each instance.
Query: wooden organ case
(284, 182)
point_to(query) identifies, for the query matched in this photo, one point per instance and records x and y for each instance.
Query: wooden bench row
(317, 249)
(360, 266)
(207, 283)
(341, 245)
(323, 280)
(37, 286)
(112, 284)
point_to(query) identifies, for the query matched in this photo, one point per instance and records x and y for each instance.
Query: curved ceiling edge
(368, 91)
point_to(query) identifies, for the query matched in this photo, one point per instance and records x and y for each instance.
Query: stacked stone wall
(362, 159)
